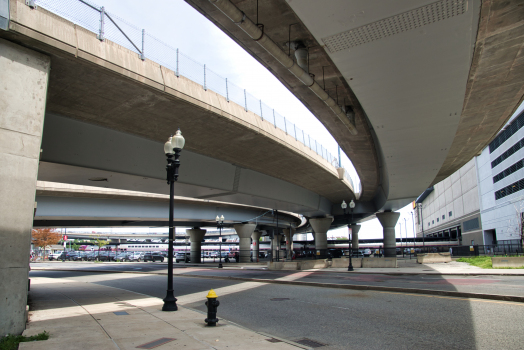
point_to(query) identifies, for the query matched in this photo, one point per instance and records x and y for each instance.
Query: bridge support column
(276, 246)
(321, 226)
(244, 232)
(388, 220)
(196, 235)
(354, 235)
(23, 84)
(256, 241)
(289, 233)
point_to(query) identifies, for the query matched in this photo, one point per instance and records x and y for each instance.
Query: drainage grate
(120, 313)
(273, 340)
(279, 299)
(310, 343)
(155, 343)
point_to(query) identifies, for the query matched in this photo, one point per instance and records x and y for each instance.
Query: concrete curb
(512, 298)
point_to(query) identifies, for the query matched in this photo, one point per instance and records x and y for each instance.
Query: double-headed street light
(173, 146)
(344, 207)
(220, 224)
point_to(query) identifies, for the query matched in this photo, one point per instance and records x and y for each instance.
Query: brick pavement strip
(89, 316)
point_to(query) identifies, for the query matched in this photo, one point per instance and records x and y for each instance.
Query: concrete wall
(507, 262)
(23, 82)
(433, 258)
(344, 262)
(379, 262)
(453, 201)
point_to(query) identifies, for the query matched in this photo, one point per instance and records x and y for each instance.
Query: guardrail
(109, 26)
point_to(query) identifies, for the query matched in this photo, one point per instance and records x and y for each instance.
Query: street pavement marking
(236, 288)
(295, 276)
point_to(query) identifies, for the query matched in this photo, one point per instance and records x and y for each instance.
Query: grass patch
(483, 262)
(10, 342)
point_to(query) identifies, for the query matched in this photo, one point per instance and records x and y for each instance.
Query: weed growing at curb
(10, 342)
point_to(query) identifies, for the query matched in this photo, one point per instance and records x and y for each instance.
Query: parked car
(135, 256)
(53, 256)
(70, 256)
(153, 257)
(357, 254)
(182, 256)
(334, 253)
(123, 256)
(366, 252)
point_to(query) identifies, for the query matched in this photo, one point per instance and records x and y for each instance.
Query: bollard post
(212, 304)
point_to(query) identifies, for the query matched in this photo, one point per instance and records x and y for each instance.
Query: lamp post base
(220, 265)
(170, 302)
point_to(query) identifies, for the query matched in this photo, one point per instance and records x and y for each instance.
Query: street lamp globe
(176, 142)
(352, 204)
(344, 205)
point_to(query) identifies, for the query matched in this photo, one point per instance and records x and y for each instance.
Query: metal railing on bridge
(109, 26)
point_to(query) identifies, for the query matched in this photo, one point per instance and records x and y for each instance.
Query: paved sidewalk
(90, 316)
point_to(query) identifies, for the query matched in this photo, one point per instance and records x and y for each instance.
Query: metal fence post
(177, 72)
(100, 35)
(295, 127)
(285, 124)
(245, 100)
(309, 138)
(227, 92)
(274, 118)
(205, 87)
(261, 116)
(303, 138)
(142, 54)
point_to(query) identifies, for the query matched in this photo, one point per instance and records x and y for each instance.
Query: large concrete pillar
(23, 89)
(276, 246)
(321, 226)
(256, 241)
(289, 232)
(196, 235)
(244, 232)
(388, 220)
(354, 235)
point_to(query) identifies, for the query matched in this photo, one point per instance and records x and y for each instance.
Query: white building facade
(483, 202)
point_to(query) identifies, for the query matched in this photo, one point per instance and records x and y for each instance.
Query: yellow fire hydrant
(212, 304)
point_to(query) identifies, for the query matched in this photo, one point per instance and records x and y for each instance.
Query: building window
(437, 219)
(507, 153)
(443, 217)
(433, 222)
(428, 224)
(508, 171)
(450, 214)
(472, 224)
(506, 134)
(513, 188)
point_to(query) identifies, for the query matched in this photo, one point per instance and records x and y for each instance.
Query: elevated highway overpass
(424, 86)
(430, 82)
(78, 110)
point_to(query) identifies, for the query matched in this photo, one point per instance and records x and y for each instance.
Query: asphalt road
(340, 319)
(501, 285)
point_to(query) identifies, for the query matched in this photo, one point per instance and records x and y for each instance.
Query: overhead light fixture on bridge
(350, 113)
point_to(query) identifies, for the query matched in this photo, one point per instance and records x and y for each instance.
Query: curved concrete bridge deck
(108, 114)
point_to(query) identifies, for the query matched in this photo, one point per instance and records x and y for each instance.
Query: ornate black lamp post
(344, 207)
(172, 147)
(220, 224)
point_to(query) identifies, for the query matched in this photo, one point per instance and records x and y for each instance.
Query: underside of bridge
(431, 82)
